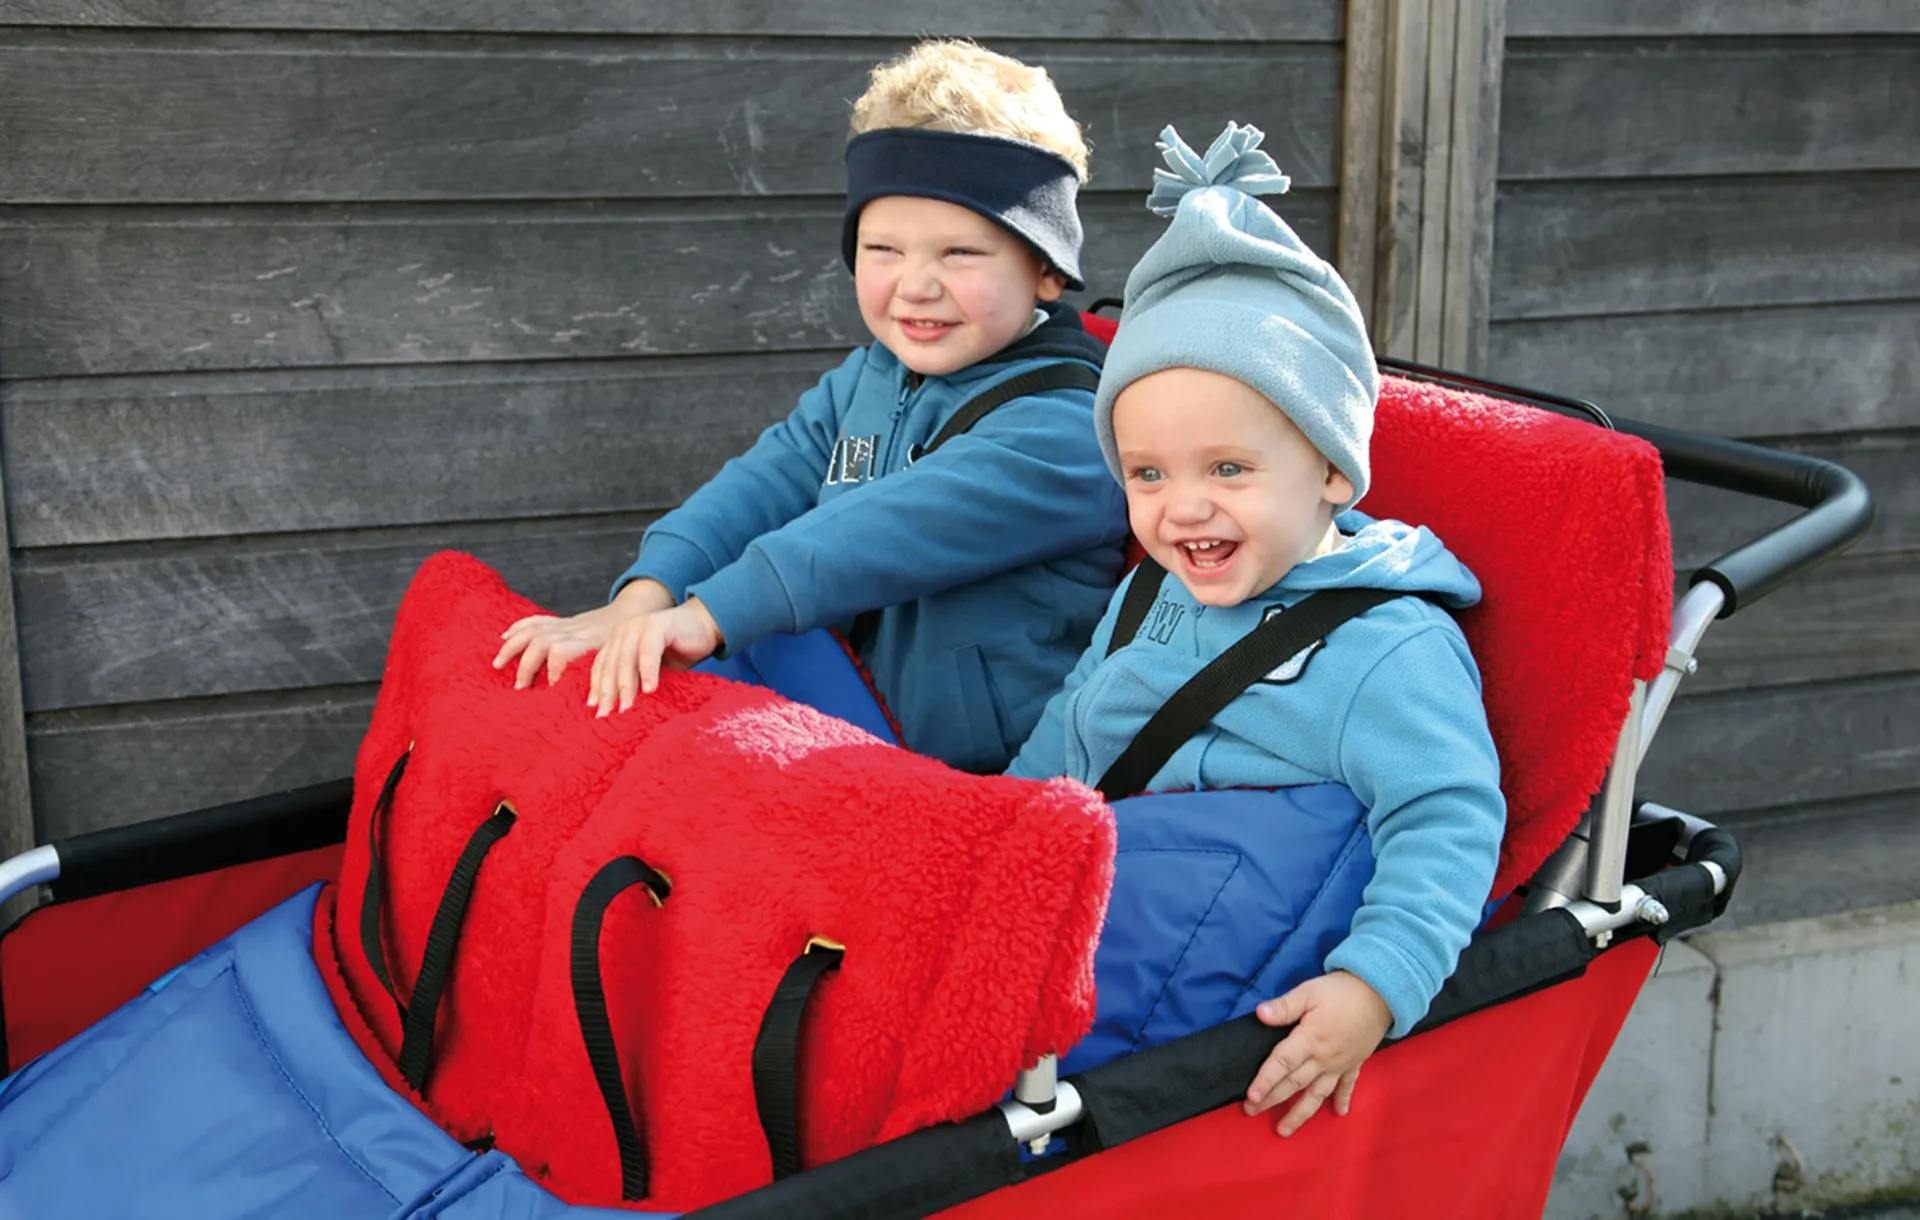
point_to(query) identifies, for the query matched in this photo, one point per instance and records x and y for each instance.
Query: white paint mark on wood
(276, 273)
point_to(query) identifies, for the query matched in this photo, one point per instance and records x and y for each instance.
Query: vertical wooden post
(16, 804)
(1420, 143)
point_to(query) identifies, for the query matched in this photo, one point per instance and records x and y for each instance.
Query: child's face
(1223, 489)
(943, 286)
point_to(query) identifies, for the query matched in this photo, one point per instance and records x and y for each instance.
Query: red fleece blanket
(1565, 524)
(968, 906)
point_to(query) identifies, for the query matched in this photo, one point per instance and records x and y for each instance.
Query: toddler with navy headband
(1236, 408)
(968, 558)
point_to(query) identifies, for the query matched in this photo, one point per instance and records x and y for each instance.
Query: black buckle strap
(776, 1053)
(590, 1006)
(443, 935)
(370, 941)
(1143, 588)
(1251, 658)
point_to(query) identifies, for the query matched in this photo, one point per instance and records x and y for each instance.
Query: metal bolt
(1651, 910)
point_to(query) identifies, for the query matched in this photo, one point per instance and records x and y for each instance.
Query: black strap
(1063, 375)
(1252, 657)
(590, 1006)
(776, 1055)
(1142, 590)
(370, 942)
(443, 936)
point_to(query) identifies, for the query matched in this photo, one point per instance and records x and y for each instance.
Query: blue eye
(1148, 474)
(1228, 470)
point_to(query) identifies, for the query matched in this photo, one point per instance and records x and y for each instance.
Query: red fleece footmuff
(968, 908)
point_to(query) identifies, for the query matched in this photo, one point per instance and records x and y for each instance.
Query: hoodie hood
(1388, 555)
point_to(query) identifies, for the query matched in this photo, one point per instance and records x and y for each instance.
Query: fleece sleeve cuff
(669, 559)
(748, 602)
(1403, 986)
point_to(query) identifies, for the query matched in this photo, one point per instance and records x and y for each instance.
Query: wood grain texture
(1850, 618)
(1718, 18)
(1634, 246)
(126, 765)
(1362, 141)
(1717, 754)
(1708, 523)
(1699, 107)
(1395, 308)
(99, 291)
(1826, 857)
(112, 118)
(1778, 747)
(1754, 372)
(16, 795)
(193, 456)
(1144, 20)
(272, 614)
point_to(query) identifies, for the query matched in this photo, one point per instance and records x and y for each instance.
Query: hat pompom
(1233, 159)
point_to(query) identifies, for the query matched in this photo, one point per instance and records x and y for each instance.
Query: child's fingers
(530, 662)
(1343, 1096)
(1278, 1079)
(1308, 1105)
(647, 672)
(527, 623)
(1283, 1010)
(561, 655)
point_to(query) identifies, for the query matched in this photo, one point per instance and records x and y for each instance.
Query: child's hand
(544, 639)
(1338, 1021)
(630, 663)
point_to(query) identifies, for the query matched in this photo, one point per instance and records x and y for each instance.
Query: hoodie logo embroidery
(1290, 669)
(851, 460)
(1163, 619)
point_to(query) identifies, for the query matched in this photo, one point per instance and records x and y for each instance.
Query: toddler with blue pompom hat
(1236, 409)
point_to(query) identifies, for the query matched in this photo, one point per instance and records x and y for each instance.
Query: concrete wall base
(1775, 1066)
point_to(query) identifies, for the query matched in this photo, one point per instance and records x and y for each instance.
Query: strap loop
(590, 1006)
(370, 941)
(776, 1052)
(443, 936)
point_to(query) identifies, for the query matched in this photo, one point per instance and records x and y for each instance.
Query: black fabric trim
(590, 1007)
(913, 1176)
(1251, 658)
(776, 1057)
(371, 943)
(1143, 588)
(443, 936)
(204, 841)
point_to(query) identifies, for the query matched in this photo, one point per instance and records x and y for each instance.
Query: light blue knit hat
(1231, 289)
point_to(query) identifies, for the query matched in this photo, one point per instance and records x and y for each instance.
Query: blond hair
(950, 84)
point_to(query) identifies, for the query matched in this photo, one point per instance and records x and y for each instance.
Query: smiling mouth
(924, 328)
(1208, 553)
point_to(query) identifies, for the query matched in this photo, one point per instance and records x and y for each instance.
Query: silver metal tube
(1607, 850)
(1029, 1125)
(28, 869)
(1691, 618)
(1035, 1086)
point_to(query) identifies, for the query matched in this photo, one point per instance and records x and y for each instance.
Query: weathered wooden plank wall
(292, 295)
(1705, 218)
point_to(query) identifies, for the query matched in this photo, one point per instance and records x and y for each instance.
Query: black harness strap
(1063, 375)
(1252, 657)
(1142, 590)
(443, 935)
(370, 942)
(590, 1006)
(776, 1054)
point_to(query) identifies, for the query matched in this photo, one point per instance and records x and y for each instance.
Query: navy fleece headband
(1021, 187)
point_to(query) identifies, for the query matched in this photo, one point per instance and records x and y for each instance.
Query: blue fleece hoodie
(1389, 705)
(991, 557)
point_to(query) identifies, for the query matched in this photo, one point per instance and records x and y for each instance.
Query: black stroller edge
(946, 1165)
